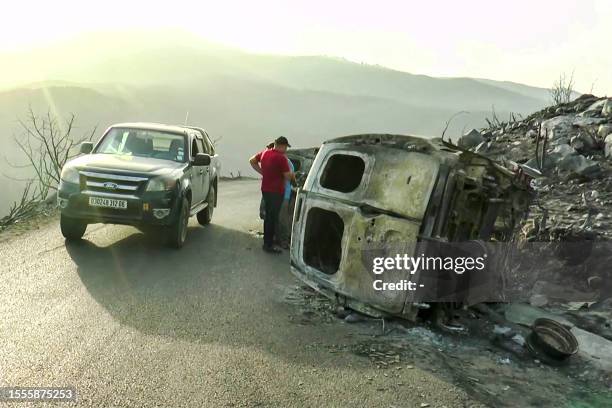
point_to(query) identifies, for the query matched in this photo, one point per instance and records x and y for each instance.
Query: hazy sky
(528, 41)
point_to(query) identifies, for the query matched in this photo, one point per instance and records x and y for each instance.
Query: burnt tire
(72, 229)
(205, 216)
(177, 233)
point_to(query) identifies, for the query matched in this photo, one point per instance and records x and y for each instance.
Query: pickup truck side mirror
(201, 159)
(86, 147)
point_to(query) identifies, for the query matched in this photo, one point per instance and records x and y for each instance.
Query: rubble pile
(571, 145)
(570, 221)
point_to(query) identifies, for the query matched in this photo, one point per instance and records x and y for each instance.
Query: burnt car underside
(392, 194)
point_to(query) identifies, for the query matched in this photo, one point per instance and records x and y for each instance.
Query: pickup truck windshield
(144, 143)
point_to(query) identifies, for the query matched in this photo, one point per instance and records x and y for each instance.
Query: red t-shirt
(273, 165)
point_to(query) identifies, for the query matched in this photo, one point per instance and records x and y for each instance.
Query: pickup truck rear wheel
(205, 216)
(72, 229)
(178, 232)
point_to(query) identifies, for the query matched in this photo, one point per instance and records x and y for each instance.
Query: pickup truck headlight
(70, 175)
(161, 184)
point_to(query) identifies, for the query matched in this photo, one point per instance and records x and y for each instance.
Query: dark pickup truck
(151, 176)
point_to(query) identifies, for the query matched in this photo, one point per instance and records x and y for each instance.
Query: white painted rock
(608, 146)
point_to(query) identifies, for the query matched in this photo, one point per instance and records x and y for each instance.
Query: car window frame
(200, 145)
(186, 136)
(208, 144)
(192, 140)
(212, 145)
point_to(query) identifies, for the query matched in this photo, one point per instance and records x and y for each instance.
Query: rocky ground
(571, 145)
(566, 238)
(492, 369)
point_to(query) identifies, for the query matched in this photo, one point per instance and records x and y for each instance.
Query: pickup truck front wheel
(205, 216)
(72, 229)
(178, 232)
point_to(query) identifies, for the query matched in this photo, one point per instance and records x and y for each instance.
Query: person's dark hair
(282, 140)
(270, 145)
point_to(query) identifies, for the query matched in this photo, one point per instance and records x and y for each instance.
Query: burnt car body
(302, 160)
(391, 191)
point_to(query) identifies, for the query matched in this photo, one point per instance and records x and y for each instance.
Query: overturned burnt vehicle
(391, 191)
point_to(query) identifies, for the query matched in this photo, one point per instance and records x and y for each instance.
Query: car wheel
(178, 232)
(205, 216)
(73, 229)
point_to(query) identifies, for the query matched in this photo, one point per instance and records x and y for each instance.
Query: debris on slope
(469, 359)
(571, 144)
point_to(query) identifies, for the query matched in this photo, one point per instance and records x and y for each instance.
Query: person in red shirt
(272, 164)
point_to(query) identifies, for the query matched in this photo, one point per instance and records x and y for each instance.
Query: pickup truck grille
(107, 184)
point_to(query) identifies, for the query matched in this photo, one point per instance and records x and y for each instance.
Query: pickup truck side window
(194, 148)
(201, 148)
(207, 145)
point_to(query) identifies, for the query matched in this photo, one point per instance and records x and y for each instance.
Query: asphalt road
(128, 322)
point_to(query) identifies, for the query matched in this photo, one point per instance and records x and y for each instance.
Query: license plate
(108, 203)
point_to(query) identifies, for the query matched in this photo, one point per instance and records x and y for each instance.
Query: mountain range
(243, 99)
